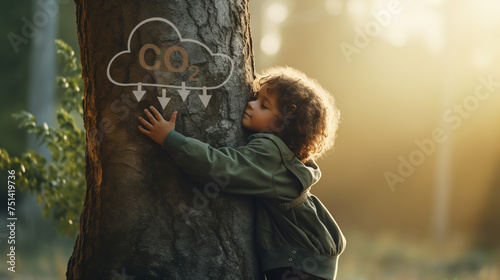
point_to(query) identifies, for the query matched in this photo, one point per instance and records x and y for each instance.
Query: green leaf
(57, 181)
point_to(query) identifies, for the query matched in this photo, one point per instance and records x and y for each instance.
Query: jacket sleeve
(244, 170)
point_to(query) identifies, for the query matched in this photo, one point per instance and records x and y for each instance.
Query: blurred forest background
(414, 180)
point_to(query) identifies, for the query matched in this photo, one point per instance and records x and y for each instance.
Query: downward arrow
(139, 93)
(204, 97)
(183, 92)
(163, 99)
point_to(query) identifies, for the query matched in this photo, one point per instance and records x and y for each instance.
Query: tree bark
(143, 218)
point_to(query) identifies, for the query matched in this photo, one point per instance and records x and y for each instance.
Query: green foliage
(59, 182)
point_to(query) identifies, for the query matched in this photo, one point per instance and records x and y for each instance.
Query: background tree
(142, 216)
(57, 180)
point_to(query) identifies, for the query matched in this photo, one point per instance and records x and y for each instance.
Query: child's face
(262, 113)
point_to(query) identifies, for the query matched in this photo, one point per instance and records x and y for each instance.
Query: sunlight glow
(481, 59)
(480, 14)
(397, 38)
(432, 31)
(488, 11)
(277, 12)
(418, 20)
(334, 7)
(398, 21)
(357, 8)
(435, 2)
(270, 43)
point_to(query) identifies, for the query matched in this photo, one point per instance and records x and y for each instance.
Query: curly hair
(309, 116)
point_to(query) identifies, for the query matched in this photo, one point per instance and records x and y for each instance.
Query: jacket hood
(308, 173)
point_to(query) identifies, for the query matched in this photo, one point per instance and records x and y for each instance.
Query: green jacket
(306, 236)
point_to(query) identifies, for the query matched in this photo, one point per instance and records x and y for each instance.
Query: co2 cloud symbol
(175, 66)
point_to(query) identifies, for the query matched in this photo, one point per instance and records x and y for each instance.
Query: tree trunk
(143, 218)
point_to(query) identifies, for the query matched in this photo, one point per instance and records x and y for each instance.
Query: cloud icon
(177, 63)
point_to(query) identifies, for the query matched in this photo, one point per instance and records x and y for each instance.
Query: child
(293, 120)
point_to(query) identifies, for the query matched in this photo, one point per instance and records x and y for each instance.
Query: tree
(142, 216)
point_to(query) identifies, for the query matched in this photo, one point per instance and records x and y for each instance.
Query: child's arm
(244, 170)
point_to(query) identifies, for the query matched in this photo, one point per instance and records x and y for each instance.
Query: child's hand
(159, 128)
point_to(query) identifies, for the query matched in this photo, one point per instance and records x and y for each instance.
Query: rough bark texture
(134, 223)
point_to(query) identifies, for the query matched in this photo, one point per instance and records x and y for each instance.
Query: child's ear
(291, 111)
